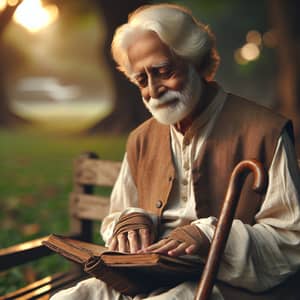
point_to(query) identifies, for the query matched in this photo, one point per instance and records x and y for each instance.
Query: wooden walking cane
(223, 227)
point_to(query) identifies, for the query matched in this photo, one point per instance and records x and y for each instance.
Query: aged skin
(154, 67)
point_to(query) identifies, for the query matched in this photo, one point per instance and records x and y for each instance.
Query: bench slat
(89, 171)
(33, 286)
(22, 253)
(96, 172)
(89, 207)
(46, 286)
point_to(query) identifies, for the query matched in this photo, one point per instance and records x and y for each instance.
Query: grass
(36, 178)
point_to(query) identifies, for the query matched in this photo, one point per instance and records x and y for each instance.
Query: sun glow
(32, 15)
(3, 4)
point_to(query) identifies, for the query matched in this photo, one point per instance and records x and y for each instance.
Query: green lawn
(36, 177)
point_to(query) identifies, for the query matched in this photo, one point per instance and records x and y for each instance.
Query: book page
(73, 249)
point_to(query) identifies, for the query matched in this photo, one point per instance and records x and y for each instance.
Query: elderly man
(177, 164)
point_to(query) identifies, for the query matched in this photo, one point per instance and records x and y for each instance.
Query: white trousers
(94, 289)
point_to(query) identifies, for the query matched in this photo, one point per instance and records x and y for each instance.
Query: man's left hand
(188, 239)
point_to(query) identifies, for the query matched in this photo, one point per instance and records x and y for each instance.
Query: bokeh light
(250, 51)
(12, 2)
(32, 15)
(3, 4)
(254, 37)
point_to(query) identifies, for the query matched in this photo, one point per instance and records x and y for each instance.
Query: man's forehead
(148, 49)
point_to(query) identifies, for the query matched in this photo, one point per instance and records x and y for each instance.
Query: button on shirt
(185, 150)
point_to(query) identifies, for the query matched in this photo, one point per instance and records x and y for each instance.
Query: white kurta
(256, 257)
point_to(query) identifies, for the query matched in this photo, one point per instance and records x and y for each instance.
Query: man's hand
(133, 232)
(187, 239)
(131, 241)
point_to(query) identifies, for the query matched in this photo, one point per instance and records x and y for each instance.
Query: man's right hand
(131, 241)
(133, 232)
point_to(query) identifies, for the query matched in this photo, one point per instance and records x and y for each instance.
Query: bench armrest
(23, 253)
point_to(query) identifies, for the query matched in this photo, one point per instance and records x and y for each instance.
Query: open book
(130, 274)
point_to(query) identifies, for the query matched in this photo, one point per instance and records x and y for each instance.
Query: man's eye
(165, 72)
(141, 81)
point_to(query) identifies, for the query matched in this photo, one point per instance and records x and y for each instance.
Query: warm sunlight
(3, 4)
(32, 15)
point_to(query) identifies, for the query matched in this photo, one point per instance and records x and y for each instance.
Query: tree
(284, 16)
(128, 110)
(7, 117)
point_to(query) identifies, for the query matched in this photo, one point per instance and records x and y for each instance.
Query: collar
(206, 115)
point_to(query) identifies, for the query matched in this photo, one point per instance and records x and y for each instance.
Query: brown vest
(243, 130)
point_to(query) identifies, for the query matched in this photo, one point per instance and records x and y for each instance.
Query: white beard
(176, 111)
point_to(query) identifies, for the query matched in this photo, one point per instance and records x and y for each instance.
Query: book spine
(124, 282)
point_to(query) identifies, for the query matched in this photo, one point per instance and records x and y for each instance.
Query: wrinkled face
(154, 69)
(169, 86)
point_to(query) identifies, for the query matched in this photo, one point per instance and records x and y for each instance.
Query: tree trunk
(7, 117)
(5, 114)
(285, 17)
(129, 110)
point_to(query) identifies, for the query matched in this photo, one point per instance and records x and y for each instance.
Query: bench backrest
(85, 206)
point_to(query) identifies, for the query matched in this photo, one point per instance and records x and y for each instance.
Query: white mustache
(167, 97)
(174, 106)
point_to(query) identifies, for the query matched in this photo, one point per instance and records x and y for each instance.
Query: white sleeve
(260, 256)
(123, 196)
(123, 200)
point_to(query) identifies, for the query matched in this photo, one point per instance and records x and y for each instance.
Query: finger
(145, 237)
(192, 249)
(169, 245)
(133, 241)
(179, 250)
(113, 244)
(155, 246)
(122, 241)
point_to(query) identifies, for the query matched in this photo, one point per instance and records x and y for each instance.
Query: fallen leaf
(30, 229)
(28, 199)
(8, 223)
(30, 274)
(50, 191)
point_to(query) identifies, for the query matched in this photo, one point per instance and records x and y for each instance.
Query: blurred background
(60, 95)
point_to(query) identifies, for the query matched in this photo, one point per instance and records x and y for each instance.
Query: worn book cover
(130, 274)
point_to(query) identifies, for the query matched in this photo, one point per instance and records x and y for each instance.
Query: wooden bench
(85, 208)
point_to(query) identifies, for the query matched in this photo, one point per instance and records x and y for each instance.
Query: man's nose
(156, 89)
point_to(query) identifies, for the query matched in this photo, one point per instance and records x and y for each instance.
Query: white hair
(177, 28)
